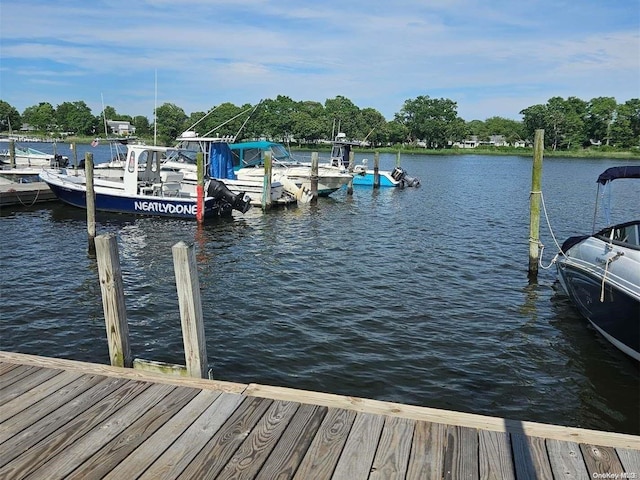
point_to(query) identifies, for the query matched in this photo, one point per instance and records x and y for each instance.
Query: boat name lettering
(161, 207)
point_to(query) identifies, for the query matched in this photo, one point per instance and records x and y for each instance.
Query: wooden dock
(25, 194)
(74, 420)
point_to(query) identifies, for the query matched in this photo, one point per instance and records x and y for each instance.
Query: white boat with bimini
(218, 163)
(601, 272)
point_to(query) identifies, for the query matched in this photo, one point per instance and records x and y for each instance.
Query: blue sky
(493, 58)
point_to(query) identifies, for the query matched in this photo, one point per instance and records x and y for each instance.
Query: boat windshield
(187, 157)
(279, 153)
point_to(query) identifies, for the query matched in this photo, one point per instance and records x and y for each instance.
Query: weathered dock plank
(78, 423)
(25, 194)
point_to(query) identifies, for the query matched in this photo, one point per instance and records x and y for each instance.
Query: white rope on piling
(541, 245)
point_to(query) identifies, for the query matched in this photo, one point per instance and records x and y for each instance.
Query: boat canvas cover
(614, 173)
(221, 161)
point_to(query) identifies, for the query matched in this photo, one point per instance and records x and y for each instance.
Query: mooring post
(113, 304)
(188, 286)
(314, 178)
(266, 185)
(12, 153)
(200, 187)
(75, 158)
(376, 170)
(398, 159)
(534, 203)
(91, 202)
(352, 162)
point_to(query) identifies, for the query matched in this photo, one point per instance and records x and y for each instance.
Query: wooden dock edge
(483, 422)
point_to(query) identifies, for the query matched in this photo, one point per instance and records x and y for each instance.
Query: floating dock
(25, 194)
(68, 419)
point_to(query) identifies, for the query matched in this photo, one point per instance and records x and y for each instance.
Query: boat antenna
(155, 108)
(205, 116)
(106, 134)
(246, 120)
(224, 123)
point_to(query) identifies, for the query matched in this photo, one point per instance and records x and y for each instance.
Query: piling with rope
(352, 162)
(376, 170)
(534, 203)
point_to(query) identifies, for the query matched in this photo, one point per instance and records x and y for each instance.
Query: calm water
(417, 296)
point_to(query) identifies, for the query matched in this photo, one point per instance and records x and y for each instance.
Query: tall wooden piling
(12, 153)
(113, 304)
(352, 164)
(75, 158)
(91, 202)
(534, 203)
(314, 178)
(200, 187)
(191, 318)
(398, 159)
(376, 170)
(266, 184)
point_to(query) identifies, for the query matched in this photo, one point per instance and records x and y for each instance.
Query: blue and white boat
(145, 189)
(362, 174)
(218, 161)
(248, 162)
(601, 273)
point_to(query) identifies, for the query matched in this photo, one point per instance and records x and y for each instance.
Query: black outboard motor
(217, 189)
(400, 175)
(58, 161)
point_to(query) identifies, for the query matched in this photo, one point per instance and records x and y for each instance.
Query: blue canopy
(613, 173)
(220, 161)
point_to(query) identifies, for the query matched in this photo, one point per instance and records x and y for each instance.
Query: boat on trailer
(601, 273)
(145, 189)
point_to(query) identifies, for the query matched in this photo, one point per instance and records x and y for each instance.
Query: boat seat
(170, 183)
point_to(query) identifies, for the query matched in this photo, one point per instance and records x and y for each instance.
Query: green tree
(376, 126)
(142, 125)
(625, 129)
(41, 117)
(511, 130)
(433, 120)
(600, 113)
(170, 121)
(76, 117)
(341, 112)
(10, 118)
(308, 122)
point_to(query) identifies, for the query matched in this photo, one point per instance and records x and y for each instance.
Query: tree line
(569, 123)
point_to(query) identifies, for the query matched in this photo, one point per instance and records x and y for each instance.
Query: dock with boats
(68, 419)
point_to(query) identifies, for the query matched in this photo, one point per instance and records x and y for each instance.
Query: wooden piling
(352, 162)
(314, 178)
(75, 157)
(398, 159)
(115, 312)
(12, 153)
(191, 318)
(91, 202)
(376, 170)
(266, 186)
(200, 187)
(534, 203)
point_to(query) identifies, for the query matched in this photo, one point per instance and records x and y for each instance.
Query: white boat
(27, 157)
(362, 174)
(146, 190)
(218, 163)
(248, 162)
(601, 273)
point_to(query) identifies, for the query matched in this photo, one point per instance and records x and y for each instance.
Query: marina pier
(69, 419)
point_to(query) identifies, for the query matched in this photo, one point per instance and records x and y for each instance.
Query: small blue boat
(362, 175)
(145, 189)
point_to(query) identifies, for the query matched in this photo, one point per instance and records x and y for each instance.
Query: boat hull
(367, 179)
(603, 284)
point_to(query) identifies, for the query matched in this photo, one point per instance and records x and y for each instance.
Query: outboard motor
(400, 175)
(217, 189)
(58, 161)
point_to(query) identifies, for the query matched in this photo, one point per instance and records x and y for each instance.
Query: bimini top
(613, 173)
